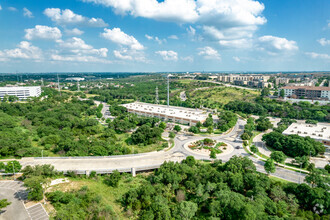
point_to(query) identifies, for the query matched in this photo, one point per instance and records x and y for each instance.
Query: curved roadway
(152, 160)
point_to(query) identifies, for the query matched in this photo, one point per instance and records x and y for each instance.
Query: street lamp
(13, 169)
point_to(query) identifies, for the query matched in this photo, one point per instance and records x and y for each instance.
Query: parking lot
(15, 192)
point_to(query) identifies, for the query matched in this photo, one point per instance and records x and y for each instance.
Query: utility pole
(58, 84)
(157, 98)
(168, 90)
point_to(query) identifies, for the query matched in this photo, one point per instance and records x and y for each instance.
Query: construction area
(180, 115)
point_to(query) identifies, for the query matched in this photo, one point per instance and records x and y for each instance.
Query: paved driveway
(15, 193)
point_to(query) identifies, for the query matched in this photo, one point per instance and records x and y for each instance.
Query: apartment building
(310, 92)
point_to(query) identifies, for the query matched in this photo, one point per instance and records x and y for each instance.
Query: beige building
(309, 92)
(319, 132)
(180, 115)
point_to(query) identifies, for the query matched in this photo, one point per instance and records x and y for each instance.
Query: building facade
(309, 92)
(22, 93)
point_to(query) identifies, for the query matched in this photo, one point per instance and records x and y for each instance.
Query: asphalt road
(153, 160)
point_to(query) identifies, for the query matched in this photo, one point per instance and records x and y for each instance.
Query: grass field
(224, 94)
(110, 195)
(122, 139)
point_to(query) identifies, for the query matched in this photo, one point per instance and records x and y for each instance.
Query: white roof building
(168, 113)
(21, 92)
(319, 132)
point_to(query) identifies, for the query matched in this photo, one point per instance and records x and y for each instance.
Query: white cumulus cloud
(220, 19)
(68, 17)
(74, 31)
(209, 53)
(126, 54)
(43, 32)
(274, 45)
(27, 13)
(173, 37)
(324, 41)
(168, 55)
(168, 10)
(78, 46)
(159, 41)
(318, 55)
(237, 59)
(76, 50)
(25, 50)
(119, 37)
(12, 9)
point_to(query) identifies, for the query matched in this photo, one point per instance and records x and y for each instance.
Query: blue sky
(168, 35)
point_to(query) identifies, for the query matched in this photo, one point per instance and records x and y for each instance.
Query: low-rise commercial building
(168, 113)
(319, 132)
(309, 92)
(21, 92)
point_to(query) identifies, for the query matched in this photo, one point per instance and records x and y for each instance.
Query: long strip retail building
(168, 113)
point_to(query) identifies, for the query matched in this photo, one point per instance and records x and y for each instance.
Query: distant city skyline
(164, 36)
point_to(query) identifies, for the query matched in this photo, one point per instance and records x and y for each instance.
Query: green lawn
(224, 94)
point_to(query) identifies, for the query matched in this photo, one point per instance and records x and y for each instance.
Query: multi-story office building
(309, 92)
(21, 92)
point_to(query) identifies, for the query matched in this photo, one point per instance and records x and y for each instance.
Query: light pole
(300, 171)
(13, 169)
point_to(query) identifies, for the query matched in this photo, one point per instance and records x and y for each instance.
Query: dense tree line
(265, 106)
(293, 145)
(233, 190)
(227, 120)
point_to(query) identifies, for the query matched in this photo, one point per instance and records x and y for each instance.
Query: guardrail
(106, 171)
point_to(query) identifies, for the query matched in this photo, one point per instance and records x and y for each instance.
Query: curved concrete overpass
(153, 160)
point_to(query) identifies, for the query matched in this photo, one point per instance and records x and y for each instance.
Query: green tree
(265, 92)
(162, 125)
(213, 155)
(13, 166)
(177, 128)
(270, 166)
(2, 165)
(194, 129)
(282, 93)
(208, 122)
(318, 179)
(187, 210)
(34, 186)
(3, 204)
(113, 179)
(210, 129)
(171, 135)
(254, 149)
(278, 156)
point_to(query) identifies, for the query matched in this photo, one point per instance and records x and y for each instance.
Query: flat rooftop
(319, 88)
(321, 131)
(170, 111)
